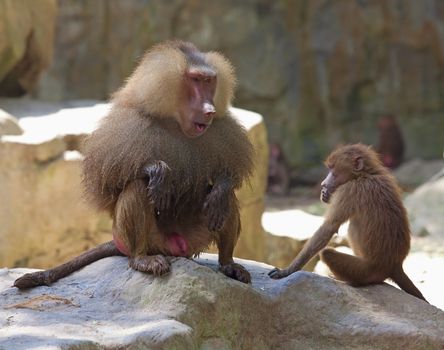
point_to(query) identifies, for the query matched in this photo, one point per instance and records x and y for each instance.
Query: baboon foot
(237, 272)
(157, 265)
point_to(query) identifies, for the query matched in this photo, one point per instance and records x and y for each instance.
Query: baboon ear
(358, 164)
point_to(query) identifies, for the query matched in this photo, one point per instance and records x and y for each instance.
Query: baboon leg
(351, 269)
(226, 242)
(135, 225)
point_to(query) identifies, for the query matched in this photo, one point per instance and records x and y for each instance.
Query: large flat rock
(109, 305)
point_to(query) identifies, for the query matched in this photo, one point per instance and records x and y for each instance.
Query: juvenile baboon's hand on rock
(159, 188)
(217, 206)
(237, 272)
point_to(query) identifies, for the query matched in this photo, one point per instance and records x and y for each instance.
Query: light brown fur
(156, 180)
(364, 192)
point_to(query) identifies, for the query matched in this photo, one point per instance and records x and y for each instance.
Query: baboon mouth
(200, 127)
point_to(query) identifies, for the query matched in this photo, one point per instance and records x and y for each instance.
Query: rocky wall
(322, 72)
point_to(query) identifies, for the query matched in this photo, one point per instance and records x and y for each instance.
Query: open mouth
(200, 127)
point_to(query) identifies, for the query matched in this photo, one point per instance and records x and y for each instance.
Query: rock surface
(26, 43)
(109, 305)
(44, 218)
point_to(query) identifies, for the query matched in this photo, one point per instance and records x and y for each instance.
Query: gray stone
(418, 171)
(426, 207)
(108, 305)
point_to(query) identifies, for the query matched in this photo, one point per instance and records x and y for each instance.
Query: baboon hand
(159, 187)
(217, 206)
(277, 273)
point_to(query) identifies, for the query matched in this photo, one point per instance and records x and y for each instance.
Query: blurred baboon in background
(390, 142)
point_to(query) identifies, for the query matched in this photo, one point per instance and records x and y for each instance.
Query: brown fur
(365, 193)
(195, 189)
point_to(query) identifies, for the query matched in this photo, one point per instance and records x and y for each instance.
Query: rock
(251, 244)
(8, 124)
(108, 305)
(417, 171)
(44, 218)
(26, 43)
(425, 207)
(71, 121)
(322, 72)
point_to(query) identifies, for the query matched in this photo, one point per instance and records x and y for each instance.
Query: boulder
(417, 171)
(251, 244)
(8, 124)
(425, 207)
(26, 43)
(44, 218)
(109, 305)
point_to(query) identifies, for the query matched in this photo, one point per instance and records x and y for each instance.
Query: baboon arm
(217, 203)
(159, 185)
(314, 245)
(318, 241)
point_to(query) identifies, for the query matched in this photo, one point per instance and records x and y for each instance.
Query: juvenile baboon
(363, 191)
(165, 163)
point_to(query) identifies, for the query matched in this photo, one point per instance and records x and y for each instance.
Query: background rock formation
(322, 72)
(26, 43)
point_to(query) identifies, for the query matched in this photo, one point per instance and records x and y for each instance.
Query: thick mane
(155, 89)
(121, 147)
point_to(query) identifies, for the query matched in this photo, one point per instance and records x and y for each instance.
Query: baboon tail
(405, 283)
(47, 277)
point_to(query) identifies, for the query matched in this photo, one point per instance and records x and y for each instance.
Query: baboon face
(198, 108)
(342, 167)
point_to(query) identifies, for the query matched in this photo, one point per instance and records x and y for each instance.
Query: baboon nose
(209, 110)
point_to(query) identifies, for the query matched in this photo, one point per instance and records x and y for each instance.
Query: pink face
(328, 186)
(199, 109)
(338, 176)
